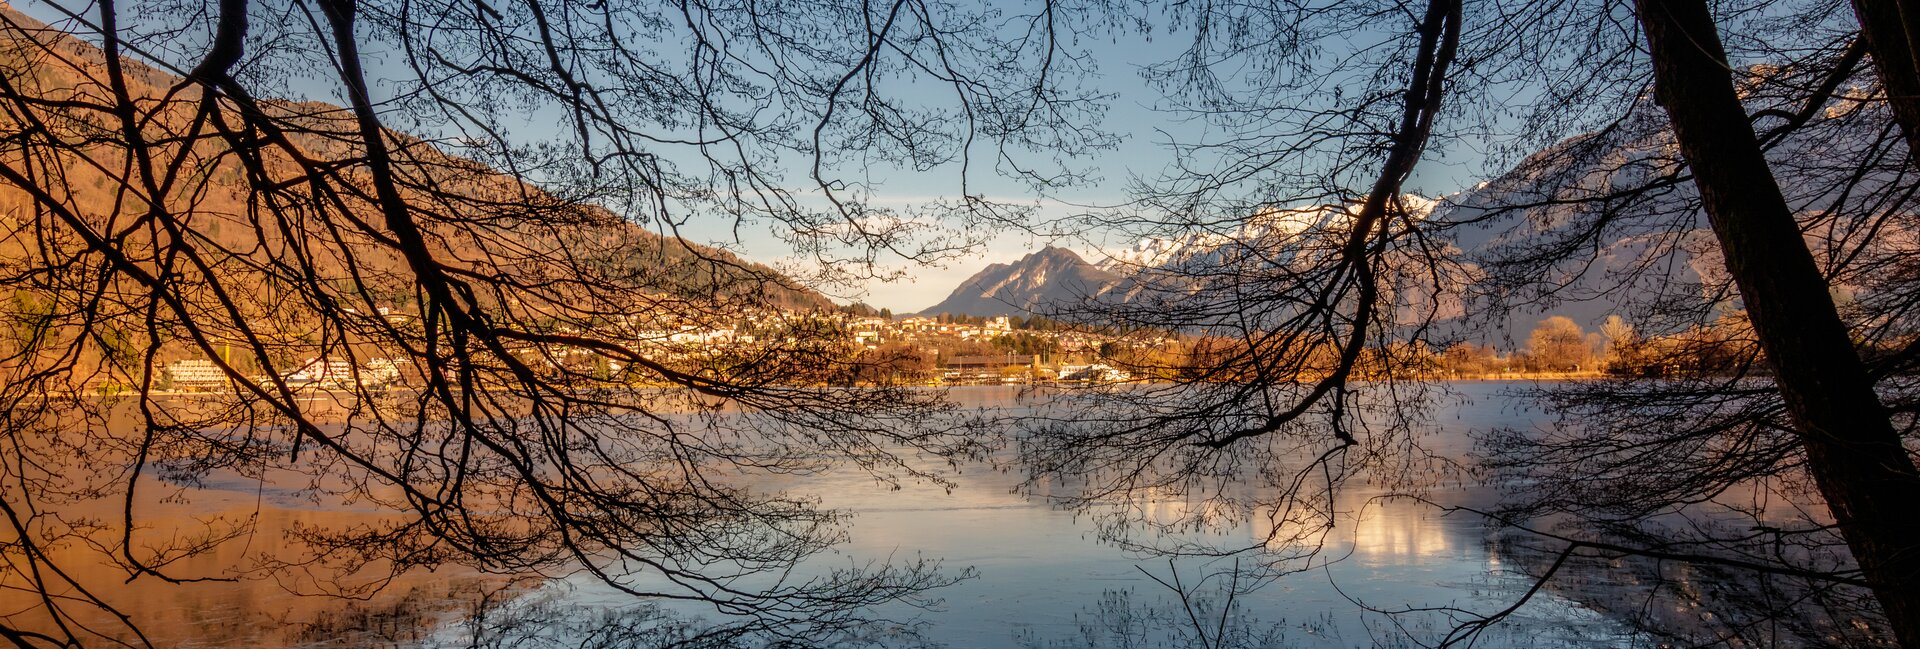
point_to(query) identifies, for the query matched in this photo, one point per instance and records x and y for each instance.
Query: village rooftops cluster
(951, 349)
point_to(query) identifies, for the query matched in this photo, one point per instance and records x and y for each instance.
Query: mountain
(1058, 283)
(1585, 228)
(477, 220)
(1047, 280)
(1200, 249)
(1189, 270)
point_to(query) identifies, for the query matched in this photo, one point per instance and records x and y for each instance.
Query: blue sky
(1133, 116)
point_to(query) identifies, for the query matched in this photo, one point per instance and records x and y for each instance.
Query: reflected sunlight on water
(1399, 532)
(240, 604)
(1042, 573)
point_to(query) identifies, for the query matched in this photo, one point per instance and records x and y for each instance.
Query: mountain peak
(1047, 279)
(1049, 252)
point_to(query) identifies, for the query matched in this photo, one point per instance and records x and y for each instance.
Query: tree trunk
(1853, 452)
(1892, 31)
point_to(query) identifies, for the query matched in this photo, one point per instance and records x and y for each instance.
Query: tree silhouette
(474, 200)
(1603, 200)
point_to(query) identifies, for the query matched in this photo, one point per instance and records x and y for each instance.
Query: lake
(1037, 576)
(1046, 578)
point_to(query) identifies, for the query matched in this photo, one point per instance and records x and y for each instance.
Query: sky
(1132, 117)
(1137, 116)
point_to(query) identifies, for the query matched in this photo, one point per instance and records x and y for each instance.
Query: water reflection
(1367, 568)
(1054, 578)
(1400, 531)
(255, 588)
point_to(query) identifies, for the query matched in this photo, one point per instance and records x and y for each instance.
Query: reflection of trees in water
(1691, 496)
(1694, 601)
(1778, 260)
(550, 615)
(1128, 459)
(1122, 619)
(408, 619)
(1212, 612)
(168, 216)
(1750, 568)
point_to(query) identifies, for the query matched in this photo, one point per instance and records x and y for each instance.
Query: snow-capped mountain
(1594, 225)
(1056, 281)
(1274, 225)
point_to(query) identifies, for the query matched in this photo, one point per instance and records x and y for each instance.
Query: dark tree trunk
(1853, 452)
(1892, 31)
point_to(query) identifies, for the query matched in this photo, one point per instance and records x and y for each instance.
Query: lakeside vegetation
(853, 346)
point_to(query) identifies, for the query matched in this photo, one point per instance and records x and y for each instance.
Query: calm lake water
(1043, 577)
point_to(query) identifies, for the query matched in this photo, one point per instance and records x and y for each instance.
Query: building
(984, 366)
(1095, 373)
(198, 373)
(334, 373)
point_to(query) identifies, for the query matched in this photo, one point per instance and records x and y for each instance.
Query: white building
(328, 372)
(197, 373)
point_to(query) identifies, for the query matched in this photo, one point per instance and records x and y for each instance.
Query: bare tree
(348, 193)
(1558, 345)
(1599, 206)
(1865, 473)
(1320, 267)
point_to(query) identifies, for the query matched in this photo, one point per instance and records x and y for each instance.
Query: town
(846, 346)
(858, 346)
